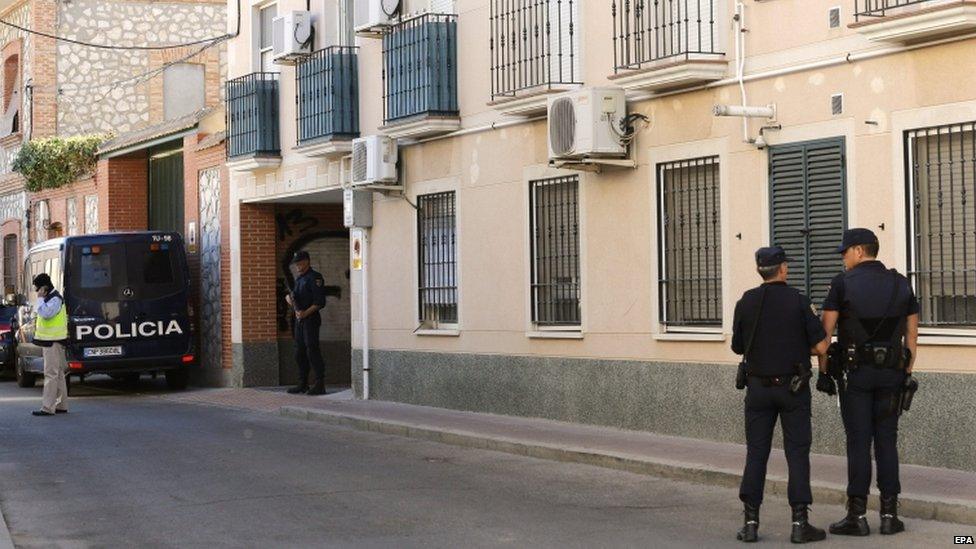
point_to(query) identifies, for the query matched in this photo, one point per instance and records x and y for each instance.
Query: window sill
(690, 336)
(950, 340)
(554, 335)
(438, 332)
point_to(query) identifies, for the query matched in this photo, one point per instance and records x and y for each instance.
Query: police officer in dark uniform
(776, 330)
(307, 299)
(877, 338)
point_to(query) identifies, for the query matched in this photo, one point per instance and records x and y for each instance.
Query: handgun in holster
(801, 379)
(907, 393)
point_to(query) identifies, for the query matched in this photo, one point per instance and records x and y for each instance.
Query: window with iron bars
(437, 253)
(554, 218)
(690, 249)
(942, 222)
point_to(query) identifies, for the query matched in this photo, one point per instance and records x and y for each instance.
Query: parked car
(128, 310)
(8, 345)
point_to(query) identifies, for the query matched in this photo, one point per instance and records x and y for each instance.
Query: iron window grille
(533, 44)
(941, 165)
(437, 252)
(554, 213)
(420, 68)
(328, 95)
(690, 287)
(252, 115)
(649, 31)
(880, 8)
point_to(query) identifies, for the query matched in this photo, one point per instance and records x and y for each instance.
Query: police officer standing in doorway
(307, 299)
(876, 313)
(776, 330)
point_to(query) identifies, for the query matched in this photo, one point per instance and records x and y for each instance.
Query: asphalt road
(126, 468)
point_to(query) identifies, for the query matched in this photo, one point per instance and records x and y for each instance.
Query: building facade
(158, 106)
(501, 282)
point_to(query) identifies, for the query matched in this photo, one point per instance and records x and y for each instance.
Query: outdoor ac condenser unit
(291, 37)
(372, 16)
(374, 161)
(582, 124)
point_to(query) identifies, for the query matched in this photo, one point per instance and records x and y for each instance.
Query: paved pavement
(144, 469)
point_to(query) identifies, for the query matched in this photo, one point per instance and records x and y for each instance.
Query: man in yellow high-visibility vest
(50, 332)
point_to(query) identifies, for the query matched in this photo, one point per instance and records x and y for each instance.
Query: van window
(155, 269)
(97, 271)
(152, 270)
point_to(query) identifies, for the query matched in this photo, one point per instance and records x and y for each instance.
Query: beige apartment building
(600, 290)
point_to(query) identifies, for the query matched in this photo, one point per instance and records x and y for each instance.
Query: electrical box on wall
(357, 209)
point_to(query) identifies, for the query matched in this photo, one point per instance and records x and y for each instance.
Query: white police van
(127, 298)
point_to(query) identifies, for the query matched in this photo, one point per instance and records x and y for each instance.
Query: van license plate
(103, 351)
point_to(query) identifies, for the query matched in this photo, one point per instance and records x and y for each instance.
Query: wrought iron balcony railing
(649, 31)
(420, 68)
(533, 44)
(328, 95)
(252, 115)
(881, 8)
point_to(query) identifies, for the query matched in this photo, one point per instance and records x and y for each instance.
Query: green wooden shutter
(808, 211)
(166, 192)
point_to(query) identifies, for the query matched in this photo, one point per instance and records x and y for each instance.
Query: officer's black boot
(750, 526)
(890, 524)
(318, 388)
(298, 389)
(803, 531)
(855, 523)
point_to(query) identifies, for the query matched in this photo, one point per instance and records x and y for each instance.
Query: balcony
(252, 122)
(328, 102)
(668, 44)
(534, 51)
(909, 21)
(420, 96)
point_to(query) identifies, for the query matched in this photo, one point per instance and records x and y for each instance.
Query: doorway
(166, 190)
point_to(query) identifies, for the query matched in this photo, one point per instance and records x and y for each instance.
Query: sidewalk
(929, 493)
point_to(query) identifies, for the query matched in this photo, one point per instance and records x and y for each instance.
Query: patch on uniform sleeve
(814, 309)
(319, 282)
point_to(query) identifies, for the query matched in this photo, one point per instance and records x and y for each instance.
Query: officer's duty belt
(773, 381)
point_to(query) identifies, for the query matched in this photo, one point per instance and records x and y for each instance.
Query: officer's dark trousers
(763, 406)
(866, 407)
(307, 351)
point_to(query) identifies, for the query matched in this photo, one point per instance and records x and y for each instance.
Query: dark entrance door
(166, 191)
(808, 210)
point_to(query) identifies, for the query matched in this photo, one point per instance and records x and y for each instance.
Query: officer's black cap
(300, 256)
(773, 255)
(854, 237)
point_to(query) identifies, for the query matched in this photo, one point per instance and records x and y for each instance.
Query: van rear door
(129, 298)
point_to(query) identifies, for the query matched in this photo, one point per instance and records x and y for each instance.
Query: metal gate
(166, 191)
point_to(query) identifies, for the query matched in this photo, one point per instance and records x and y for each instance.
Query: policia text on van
(127, 301)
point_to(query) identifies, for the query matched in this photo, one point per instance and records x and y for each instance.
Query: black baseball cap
(773, 255)
(854, 237)
(300, 256)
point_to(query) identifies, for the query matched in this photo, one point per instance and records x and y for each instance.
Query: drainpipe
(740, 53)
(365, 245)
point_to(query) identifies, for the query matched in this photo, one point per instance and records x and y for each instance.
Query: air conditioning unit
(291, 37)
(584, 124)
(374, 161)
(372, 17)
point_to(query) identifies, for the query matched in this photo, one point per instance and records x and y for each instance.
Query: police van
(127, 300)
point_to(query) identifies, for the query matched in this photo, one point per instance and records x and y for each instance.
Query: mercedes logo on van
(127, 292)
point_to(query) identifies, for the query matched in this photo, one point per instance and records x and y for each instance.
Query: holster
(741, 376)
(907, 393)
(801, 379)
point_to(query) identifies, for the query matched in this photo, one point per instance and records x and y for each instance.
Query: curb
(960, 512)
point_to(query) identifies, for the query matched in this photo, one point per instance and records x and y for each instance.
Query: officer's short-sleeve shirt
(867, 288)
(309, 290)
(786, 330)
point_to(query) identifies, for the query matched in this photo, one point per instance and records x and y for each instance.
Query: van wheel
(177, 379)
(24, 379)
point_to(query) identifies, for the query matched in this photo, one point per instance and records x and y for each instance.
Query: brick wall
(123, 193)
(44, 70)
(259, 270)
(57, 200)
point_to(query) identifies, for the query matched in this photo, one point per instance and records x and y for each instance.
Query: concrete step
(929, 493)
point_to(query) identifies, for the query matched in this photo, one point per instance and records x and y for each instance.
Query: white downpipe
(740, 62)
(365, 245)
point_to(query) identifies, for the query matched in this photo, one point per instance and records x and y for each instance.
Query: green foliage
(55, 162)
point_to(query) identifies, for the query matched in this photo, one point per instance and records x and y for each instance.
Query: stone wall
(88, 103)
